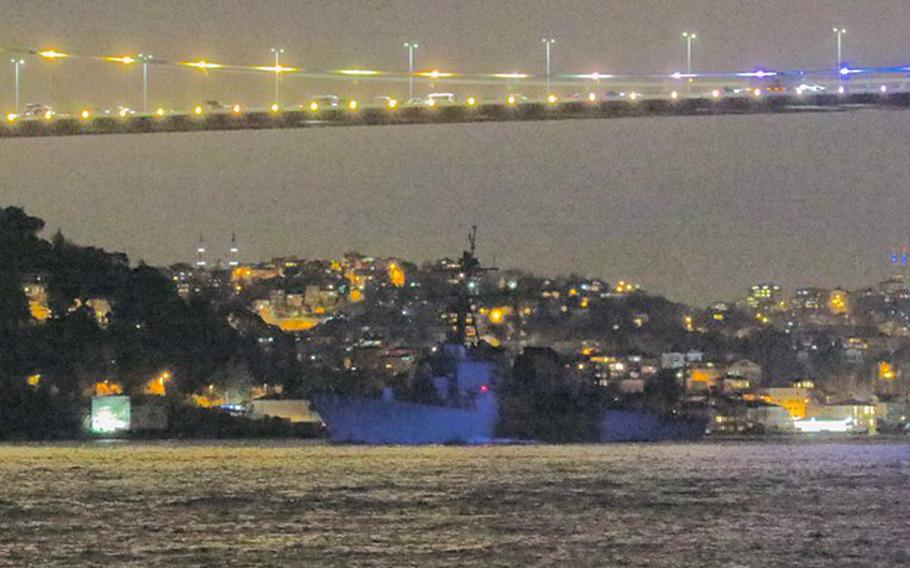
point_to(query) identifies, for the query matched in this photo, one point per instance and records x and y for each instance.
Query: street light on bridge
(839, 34)
(277, 51)
(548, 43)
(17, 63)
(411, 47)
(145, 59)
(690, 39)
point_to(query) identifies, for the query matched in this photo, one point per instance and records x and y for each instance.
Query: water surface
(289, 504)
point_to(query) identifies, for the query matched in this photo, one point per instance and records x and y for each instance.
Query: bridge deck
(693, 107)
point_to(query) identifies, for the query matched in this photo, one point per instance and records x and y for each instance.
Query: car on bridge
(584, 97)
(735, 91)
(35, 111)
(387, 102)
(439, 99)
(216, 106)
(804, 88)
(322, 102)
(515, 99)
(615, 95)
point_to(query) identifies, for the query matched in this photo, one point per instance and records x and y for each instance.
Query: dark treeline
(149, 329)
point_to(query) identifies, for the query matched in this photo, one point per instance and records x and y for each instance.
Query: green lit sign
(110, 414)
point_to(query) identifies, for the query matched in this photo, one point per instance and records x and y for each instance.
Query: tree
(13, 302)
(21, 250)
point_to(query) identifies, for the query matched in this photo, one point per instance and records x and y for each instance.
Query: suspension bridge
(455, 97)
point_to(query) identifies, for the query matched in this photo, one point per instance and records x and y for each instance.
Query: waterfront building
(896, 285)
(855, 350)
(746, 369)
(36, 294)
(292, 410)
(794, 399)
(838, 302)
(734, 385)
(860, 415)
(119, 414)
(764, 296)
(740, 416)
(810, 299)
(703, 378)
(675, 360)
(893, 414)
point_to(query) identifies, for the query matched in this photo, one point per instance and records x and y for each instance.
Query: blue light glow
(758, 74)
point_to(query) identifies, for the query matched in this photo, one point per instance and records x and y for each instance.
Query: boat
(459, 405)
(620, 425)
(465, 410)
(374, 422)
(456, 401)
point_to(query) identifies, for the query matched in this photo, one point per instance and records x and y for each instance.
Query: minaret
(200, 254)
(233, 260)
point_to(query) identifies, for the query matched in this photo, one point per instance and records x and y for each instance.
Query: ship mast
(470, 270)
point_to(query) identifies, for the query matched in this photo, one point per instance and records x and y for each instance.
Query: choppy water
(748, 504)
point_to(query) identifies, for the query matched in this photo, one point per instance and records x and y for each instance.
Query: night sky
(694, 208)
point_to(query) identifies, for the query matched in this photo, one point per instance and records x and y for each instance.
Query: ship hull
(351, 420)
(634, 426)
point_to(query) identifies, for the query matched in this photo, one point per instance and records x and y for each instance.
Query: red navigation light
(484, 388)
